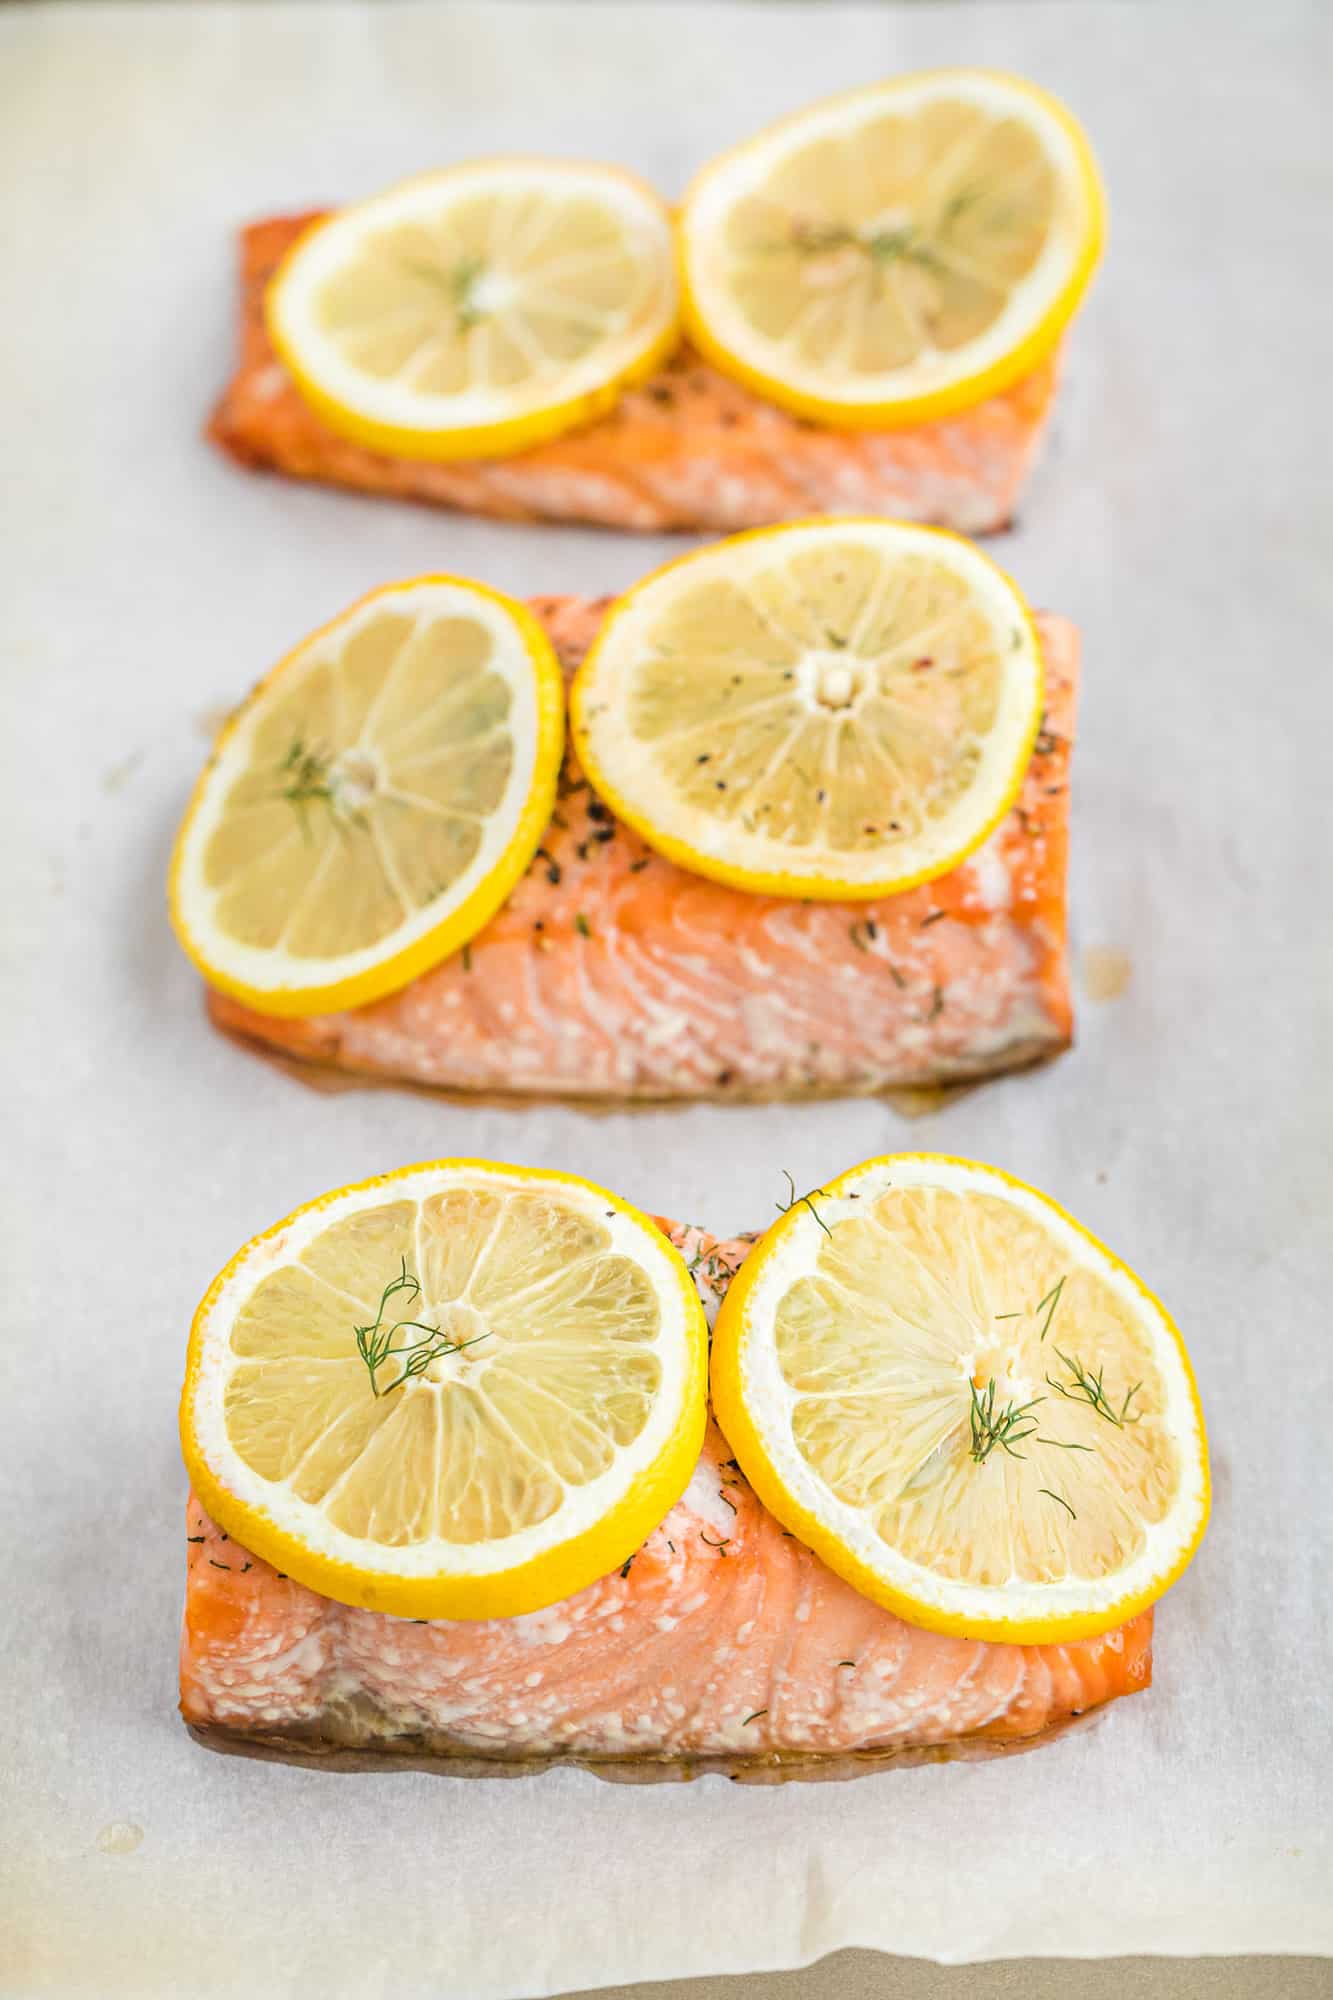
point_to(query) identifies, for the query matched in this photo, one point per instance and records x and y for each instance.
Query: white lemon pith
(895, 253)
(374, 801)
(478, 310)
(964, 1403)
(464, 1390)
(832, 709)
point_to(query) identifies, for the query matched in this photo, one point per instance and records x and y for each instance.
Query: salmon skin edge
(763, 1768)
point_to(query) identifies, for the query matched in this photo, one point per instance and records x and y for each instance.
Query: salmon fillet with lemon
(687, 449)
(613, 973)
(723, 1645)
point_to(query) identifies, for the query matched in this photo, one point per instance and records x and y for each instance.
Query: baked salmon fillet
(688, 449)
(613, 974)
(723, 1645)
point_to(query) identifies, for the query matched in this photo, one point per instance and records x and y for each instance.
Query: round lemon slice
(375, 800)
(462, 1390)
(964, 1403)
(479, 310)
(897, 253)
(834, 709)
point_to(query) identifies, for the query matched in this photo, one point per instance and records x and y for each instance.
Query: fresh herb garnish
(1005, 1428)
(804, 1201)
(309, 776)
(306, 781)
(1049, 1303)
(880, 247)
(374, 1343)
(1087, 1388)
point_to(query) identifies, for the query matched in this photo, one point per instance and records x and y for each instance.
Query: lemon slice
(374, 801)
(896, 253)
(479, 310)
(462, 1390)
(833, 709)
(964, 1403)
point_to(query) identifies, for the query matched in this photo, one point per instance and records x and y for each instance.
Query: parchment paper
(1182, 517)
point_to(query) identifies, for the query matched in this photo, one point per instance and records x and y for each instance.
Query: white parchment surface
(1182, 516)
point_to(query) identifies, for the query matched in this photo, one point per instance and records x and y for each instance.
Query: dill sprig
(374, 1343)
(1005, 1428)
(305, 772)
(462, 279)
(1059, 1500)
(1046, 1305)
(1049, 1303)
(880, 246)
(307, 777)
(957, 204)
(456, 282)
(1088, 1388)
(803, 1201)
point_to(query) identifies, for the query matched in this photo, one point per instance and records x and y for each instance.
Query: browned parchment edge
(774, 1767)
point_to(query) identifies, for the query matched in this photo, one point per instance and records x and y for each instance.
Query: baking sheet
(1183, 518)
